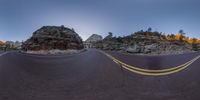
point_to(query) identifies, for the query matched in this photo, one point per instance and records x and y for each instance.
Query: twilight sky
(20, 18)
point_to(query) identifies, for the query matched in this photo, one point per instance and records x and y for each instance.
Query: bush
(194, 47)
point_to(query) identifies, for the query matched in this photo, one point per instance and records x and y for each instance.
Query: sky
(20, 18)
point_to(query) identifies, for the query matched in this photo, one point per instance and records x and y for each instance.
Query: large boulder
(53, 37)
(150, 48)
(133, 49)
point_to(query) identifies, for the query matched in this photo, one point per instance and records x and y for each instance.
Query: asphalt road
(91, 75)
(1, 52)
(153, 62)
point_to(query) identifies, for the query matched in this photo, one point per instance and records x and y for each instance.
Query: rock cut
(53, 37)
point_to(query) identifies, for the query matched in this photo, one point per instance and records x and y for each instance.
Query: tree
(149, 29)
(179, 37)
(110, 34)
(73, 30)
(192, 41)
(194, 47)
(141, 31)
(119, 39)
(62, 27)
(172, 37)
(181, 32)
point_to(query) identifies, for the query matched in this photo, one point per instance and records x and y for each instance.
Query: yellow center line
(158, 74)
(152, 72)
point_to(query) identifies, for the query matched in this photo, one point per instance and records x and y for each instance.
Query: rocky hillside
(53, 37)
(146, 43)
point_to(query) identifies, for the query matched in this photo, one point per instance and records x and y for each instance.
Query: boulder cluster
(53, 37)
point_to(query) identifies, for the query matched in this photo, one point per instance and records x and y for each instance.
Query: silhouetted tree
(73, 30)
(181, 32)
(149, 29)
(119, 39)
(172, 36)
(110, 34)
(141, 31)
(62, 27)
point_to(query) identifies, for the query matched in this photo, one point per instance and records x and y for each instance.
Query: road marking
(146, 70)
(158, 74)
(3, 53)
(152, 72)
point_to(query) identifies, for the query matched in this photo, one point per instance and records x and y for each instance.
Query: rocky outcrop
(92, 40)
(152, 43)
(150, 48)
(133, 49)
(53, 37)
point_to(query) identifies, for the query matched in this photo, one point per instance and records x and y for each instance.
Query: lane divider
(147, 72)
(157, 74)
(153, 71)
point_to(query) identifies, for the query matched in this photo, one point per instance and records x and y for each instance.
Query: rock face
(53, 37)
(152, 43)
(133, 49)
(92, 40)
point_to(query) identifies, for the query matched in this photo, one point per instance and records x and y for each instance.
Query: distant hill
(94, 38)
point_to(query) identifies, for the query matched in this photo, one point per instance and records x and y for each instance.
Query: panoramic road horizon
(99, 50)
(92, 75)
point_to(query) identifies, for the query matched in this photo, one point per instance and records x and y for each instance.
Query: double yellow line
(147, 72)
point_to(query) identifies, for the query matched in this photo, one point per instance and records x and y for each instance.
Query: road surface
(91, 75)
